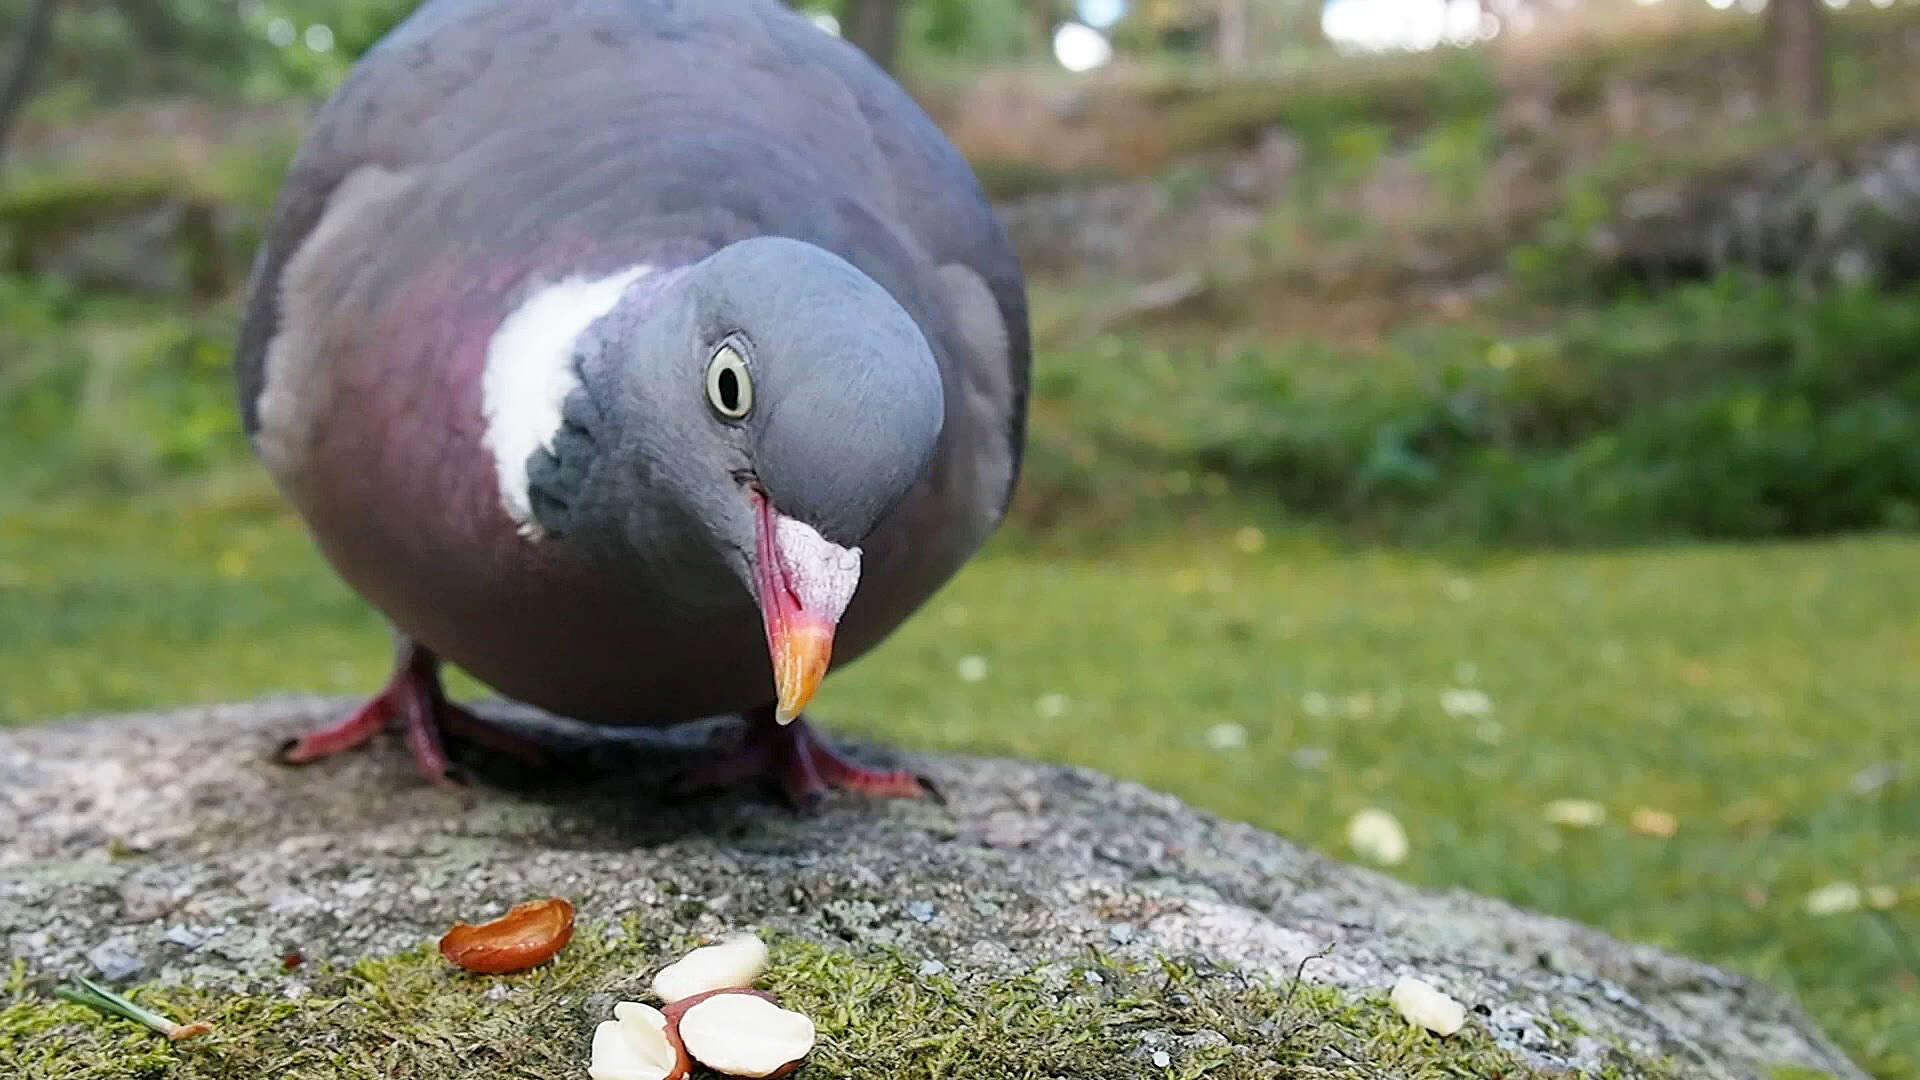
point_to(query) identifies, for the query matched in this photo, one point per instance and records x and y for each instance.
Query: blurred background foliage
(1604, 285)
(1362, 326)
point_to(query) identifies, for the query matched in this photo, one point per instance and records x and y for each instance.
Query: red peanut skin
(674, 1010)
(526, 937)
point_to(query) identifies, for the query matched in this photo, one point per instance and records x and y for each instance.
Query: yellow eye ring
(729, 384)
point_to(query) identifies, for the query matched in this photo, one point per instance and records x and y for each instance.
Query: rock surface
(166, 847)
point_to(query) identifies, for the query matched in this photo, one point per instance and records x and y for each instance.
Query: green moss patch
(412, 1015)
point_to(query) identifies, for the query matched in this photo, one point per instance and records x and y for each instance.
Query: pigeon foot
(805, 767)
(415, 701)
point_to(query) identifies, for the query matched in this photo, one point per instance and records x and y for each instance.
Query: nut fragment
(634, 1046)
(1426, 1006)
(1576, 813)
(733, 962)
(525, 937)
(1378, 836)
(675, 1011)
(742, 1033)
(1650, 822)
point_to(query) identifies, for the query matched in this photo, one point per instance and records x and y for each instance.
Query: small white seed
(634, 1046)
(734, 962)
(1427, 1007)
(1835, 899)
(1377, 835)
(1576, 813)
(745, 1035)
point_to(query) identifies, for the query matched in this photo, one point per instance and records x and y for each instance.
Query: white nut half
(745, 1035)
(634, 1012)
(634, 1046)
(1428, 1007)
(733, 962)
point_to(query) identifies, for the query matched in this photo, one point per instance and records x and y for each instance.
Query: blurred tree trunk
(1298, 25)
(155, 24)
(1797, 48)
(874, 25)
(1040, 16)
(1230, 36)
(27, 61)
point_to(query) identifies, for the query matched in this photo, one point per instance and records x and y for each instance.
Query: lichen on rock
(922, 938)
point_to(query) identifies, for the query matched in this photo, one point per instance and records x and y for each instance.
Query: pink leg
(420, 727)
(803, 764)
(414, 698)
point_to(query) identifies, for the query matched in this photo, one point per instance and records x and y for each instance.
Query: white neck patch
(529, 374)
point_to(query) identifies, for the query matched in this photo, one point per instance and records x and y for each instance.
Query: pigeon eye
(729, 386)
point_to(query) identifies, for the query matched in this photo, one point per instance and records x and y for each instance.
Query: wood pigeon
(641, 357)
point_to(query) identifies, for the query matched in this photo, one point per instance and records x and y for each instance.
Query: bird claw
(803, 765)
(415, 698)
(354, 731)
(930, 789)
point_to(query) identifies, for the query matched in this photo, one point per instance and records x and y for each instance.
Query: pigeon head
(752, 420)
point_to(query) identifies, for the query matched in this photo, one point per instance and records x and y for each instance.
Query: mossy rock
(1045, 922)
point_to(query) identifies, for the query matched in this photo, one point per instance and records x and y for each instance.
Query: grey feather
(607, 114)
(488, 146)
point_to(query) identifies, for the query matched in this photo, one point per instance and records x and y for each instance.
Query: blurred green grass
(1747, 690)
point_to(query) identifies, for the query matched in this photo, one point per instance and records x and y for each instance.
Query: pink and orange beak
(805, 582)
